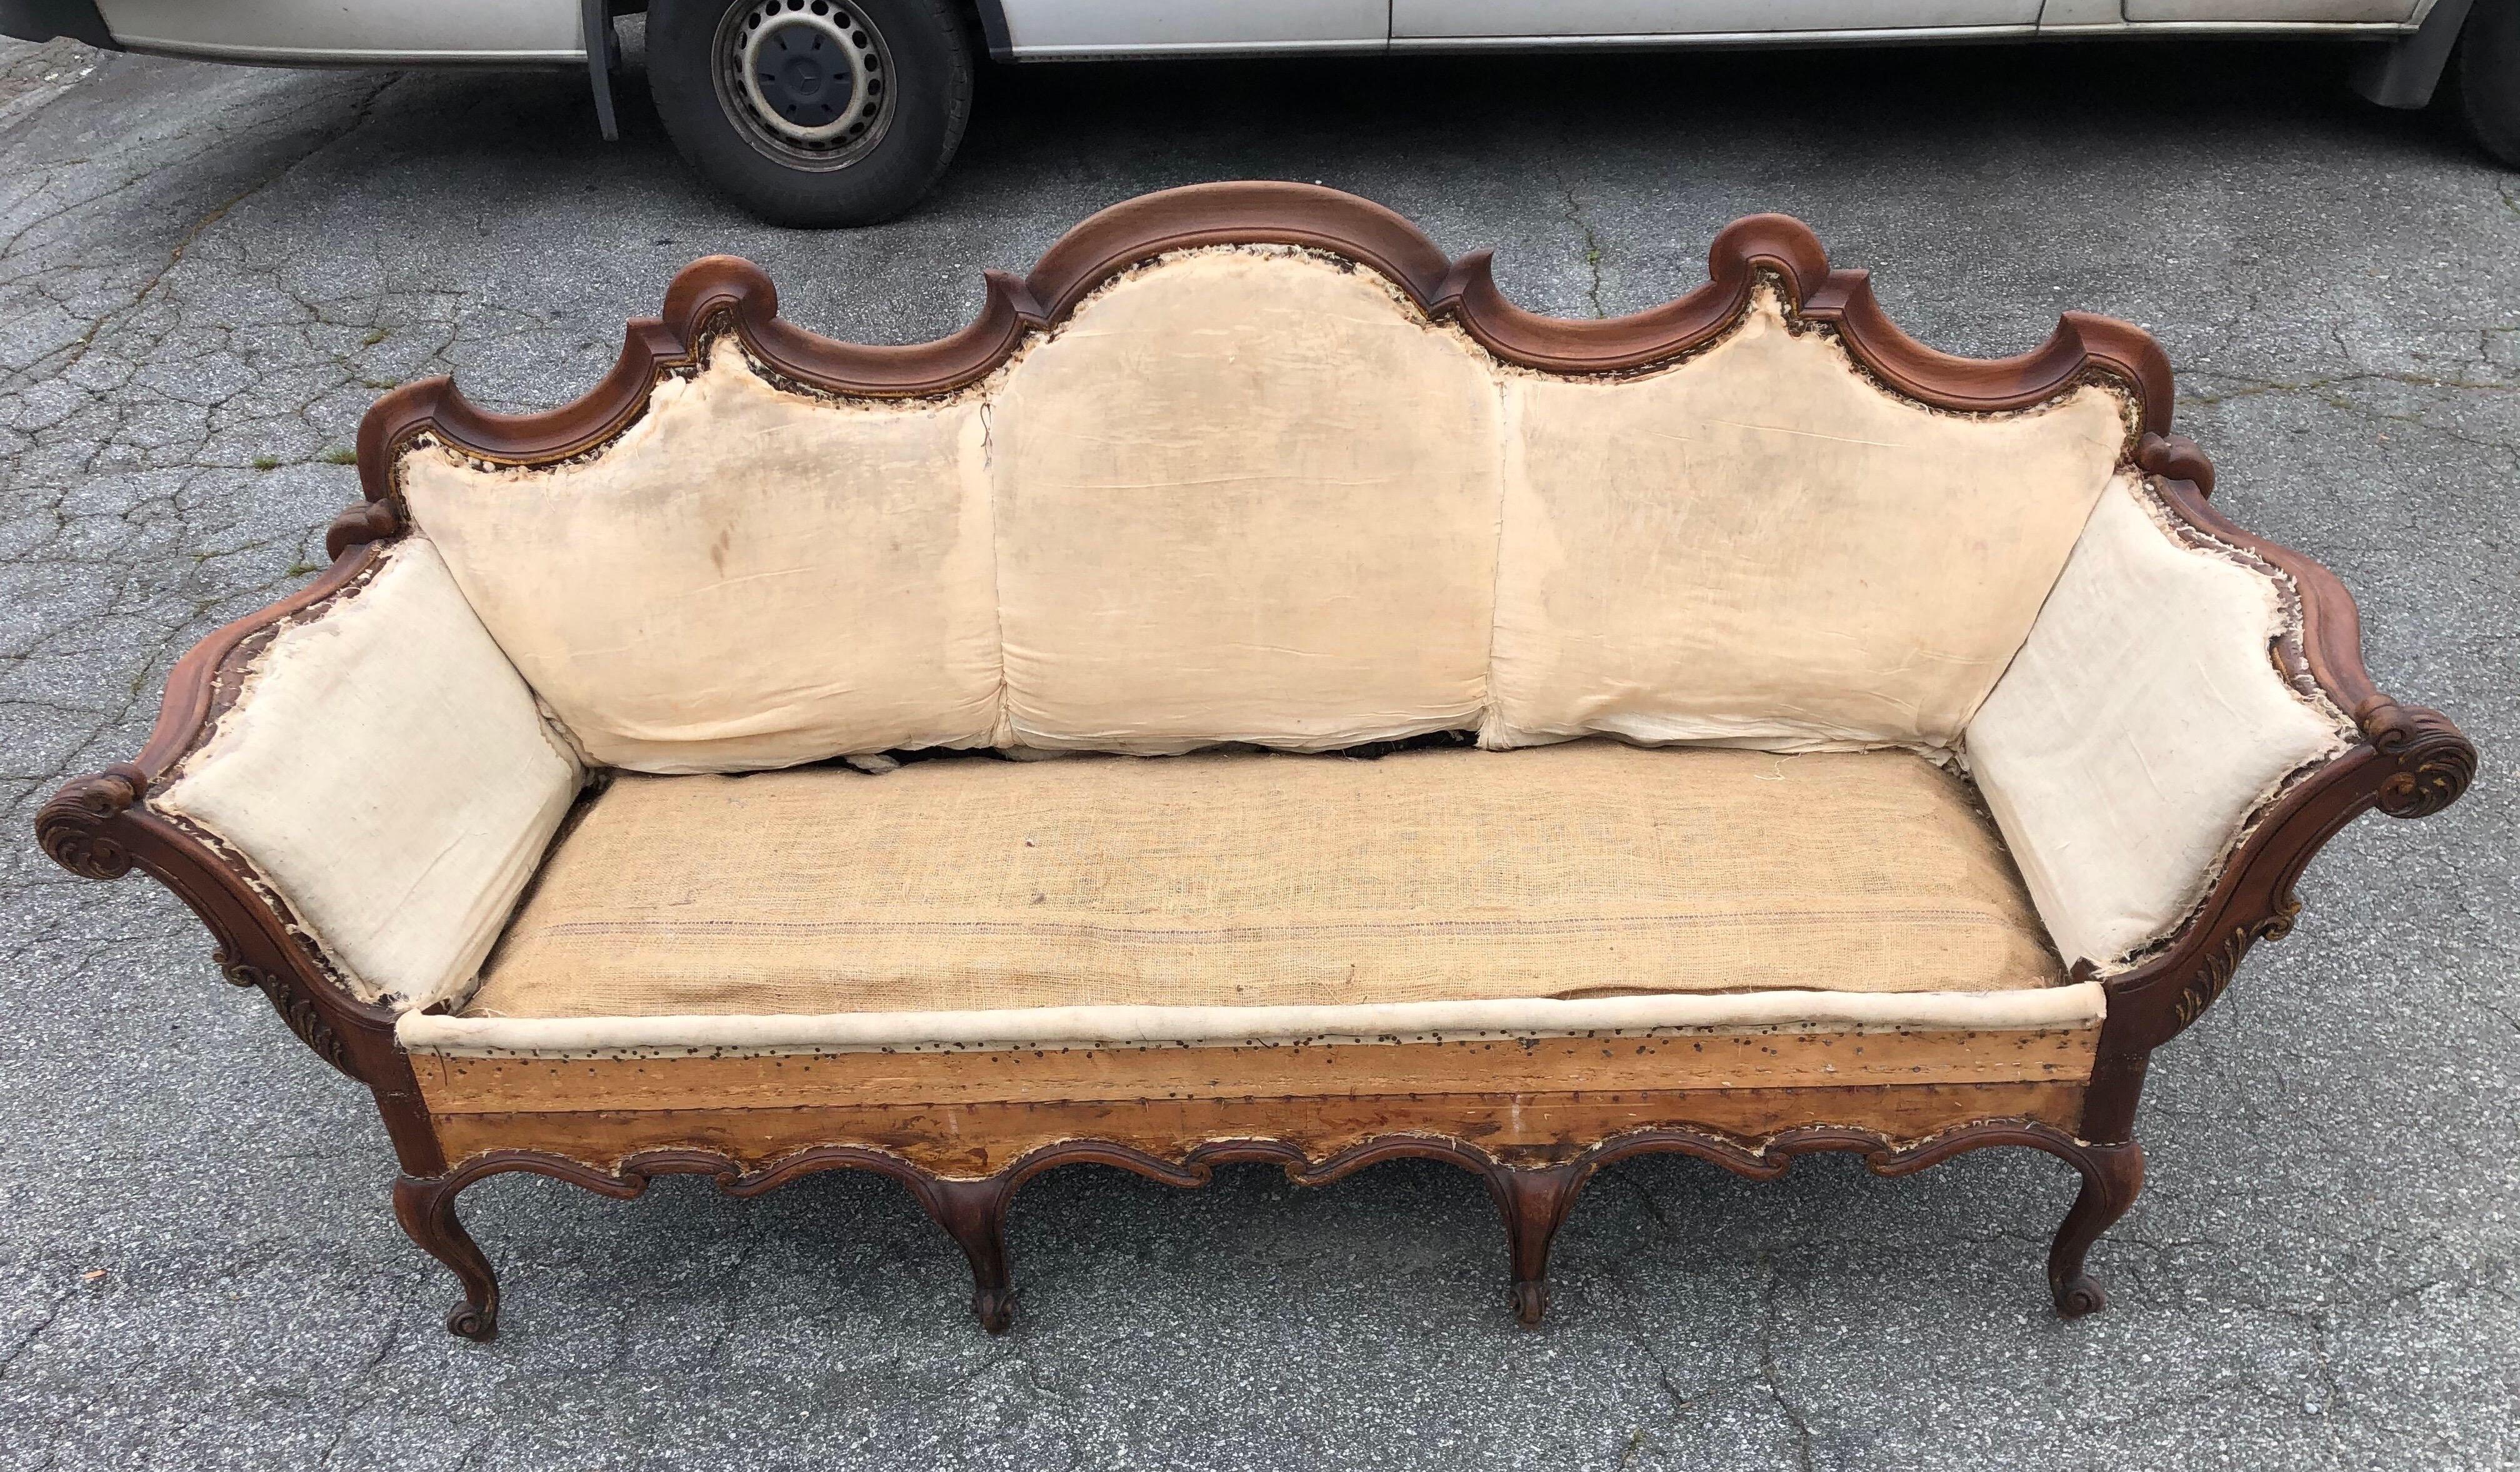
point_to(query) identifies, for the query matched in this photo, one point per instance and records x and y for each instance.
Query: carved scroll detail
(77, 827)
(1534, 1198)
(295, 1009)
(357, 525)
(2435, 762)
(2176, 457)
(725, 289)
(2214, 973)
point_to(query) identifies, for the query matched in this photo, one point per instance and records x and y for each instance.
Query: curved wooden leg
(2112, 1176)
(427, 1210)
(974, 1213)
(1534, 1201)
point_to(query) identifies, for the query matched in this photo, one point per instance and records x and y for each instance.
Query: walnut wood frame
(2409, 762)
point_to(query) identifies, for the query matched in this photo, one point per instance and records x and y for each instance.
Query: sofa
(1257, 694)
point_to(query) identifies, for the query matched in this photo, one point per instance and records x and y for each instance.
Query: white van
(845, 111)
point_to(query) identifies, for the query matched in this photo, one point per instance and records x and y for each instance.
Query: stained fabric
(1251, 494)
(1762, 547)
(1245, 498)
(1240, 878)
(748, 577)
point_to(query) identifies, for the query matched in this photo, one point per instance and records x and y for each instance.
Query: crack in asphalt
(353, 1405)
(1574, 216)
(1771, 1374)
(43, 1323)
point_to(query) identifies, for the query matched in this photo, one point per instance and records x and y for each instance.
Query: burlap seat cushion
(1230, 879)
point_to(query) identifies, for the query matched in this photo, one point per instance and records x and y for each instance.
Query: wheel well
(986, 17)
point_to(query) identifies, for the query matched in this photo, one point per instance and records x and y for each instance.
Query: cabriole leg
(1534, 1202)
(974, 1213)
(2112, 1176)
(427, 1210)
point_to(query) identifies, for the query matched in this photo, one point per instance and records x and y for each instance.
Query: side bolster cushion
(2143, 722)
(388, 775)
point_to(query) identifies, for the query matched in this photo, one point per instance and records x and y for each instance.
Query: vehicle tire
(813, 112)
(2485, 74)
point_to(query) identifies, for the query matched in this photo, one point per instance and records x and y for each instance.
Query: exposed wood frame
(724, 293)
(1714, 1059)
(2409, 762)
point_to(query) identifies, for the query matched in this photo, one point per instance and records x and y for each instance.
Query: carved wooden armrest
(2351, 748)
(348, 787)
(2408, 761)
(103, 826)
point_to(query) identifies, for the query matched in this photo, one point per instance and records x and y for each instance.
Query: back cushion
(1762, 547)
(746, 577)
(1251, 494)
(1247, 496)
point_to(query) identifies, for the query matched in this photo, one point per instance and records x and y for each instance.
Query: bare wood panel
(455, 1084)
(977, 1140)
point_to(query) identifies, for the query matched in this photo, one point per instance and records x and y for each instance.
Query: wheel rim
(808, 82)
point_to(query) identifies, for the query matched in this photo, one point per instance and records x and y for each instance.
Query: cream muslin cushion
(1245, 496)
(746, 577)
(2141, 724)
(1762, 547)
(1237, 878)
(387, 774)
(1249, 494)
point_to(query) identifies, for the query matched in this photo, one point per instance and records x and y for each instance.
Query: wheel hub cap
(811, 71)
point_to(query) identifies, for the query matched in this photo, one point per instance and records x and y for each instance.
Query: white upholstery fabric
(2065, 1006)
(1250, 494)
(387, 774)
(747, 578)
(1761, 547)
(1245, 496)
(2140, 725)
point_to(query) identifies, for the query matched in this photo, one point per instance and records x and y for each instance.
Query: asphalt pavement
(207, 273)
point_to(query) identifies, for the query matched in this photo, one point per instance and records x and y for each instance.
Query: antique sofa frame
(2409, 762)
